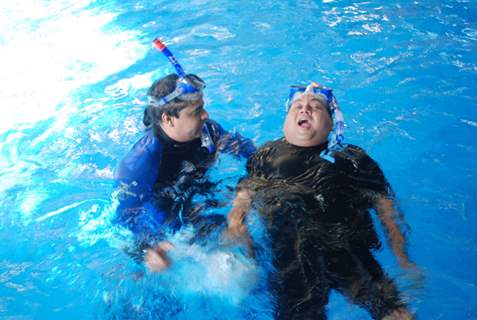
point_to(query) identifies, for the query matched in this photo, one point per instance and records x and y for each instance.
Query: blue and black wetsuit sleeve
(230, 142)
(135, 178)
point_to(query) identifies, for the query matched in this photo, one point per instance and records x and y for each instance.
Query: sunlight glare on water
(43, 62)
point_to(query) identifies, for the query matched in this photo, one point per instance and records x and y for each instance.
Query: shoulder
(358, 159)
(272, 145)
(147, 146)
(265, 153)
(269, 150)
(351, 152)
(365, 172)
(142, 158)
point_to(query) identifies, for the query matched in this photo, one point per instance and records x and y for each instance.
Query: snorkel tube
(336, 143)
(183, 89)
(163, 48)
(338, 120)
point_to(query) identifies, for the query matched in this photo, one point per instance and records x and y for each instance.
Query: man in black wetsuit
(159, 176)
(314, 196)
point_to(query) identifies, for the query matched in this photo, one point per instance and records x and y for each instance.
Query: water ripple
(470, 33)
(470, 123)
(205, 30)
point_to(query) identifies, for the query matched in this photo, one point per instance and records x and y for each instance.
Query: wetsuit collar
(168, 142)
(318, 148)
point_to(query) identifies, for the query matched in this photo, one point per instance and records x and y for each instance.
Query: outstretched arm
(393, 222)
(378, 191)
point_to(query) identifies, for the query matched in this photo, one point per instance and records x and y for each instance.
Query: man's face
(308, 122)
(190, 122)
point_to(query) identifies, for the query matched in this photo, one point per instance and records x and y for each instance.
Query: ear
(167, 119)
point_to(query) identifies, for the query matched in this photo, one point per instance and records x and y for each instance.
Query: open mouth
(304, 123)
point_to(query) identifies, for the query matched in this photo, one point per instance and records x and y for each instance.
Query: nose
(205, 115)
(306, 108)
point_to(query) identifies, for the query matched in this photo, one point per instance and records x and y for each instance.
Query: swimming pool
(73, 83)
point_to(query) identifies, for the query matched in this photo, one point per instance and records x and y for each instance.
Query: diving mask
(188, 87)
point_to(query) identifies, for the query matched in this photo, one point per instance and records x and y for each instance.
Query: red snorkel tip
(158, 44)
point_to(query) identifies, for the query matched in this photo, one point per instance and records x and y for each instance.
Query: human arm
(247, 190)
(145, 221)
(230, 142)
(135, 177)
(378, 192)
(137, 209)
(236, 228)
(393, 222)
(235, 219)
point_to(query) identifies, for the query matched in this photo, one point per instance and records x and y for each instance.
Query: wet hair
(159, 89)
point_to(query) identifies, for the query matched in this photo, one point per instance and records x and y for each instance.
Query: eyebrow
(198, 107)
(313, 99)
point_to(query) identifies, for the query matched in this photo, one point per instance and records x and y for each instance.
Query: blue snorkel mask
(188, 88)
(326, 96)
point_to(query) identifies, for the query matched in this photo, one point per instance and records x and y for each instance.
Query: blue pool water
(72, 89)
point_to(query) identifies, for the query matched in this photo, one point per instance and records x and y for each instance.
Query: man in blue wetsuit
(165, 168)
(315, 196)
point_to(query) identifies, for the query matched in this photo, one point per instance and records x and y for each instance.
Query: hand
(156, 259)
(399, 314)
(405, 263)
(415, 276)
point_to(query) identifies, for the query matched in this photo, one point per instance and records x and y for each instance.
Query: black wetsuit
(320, 227)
